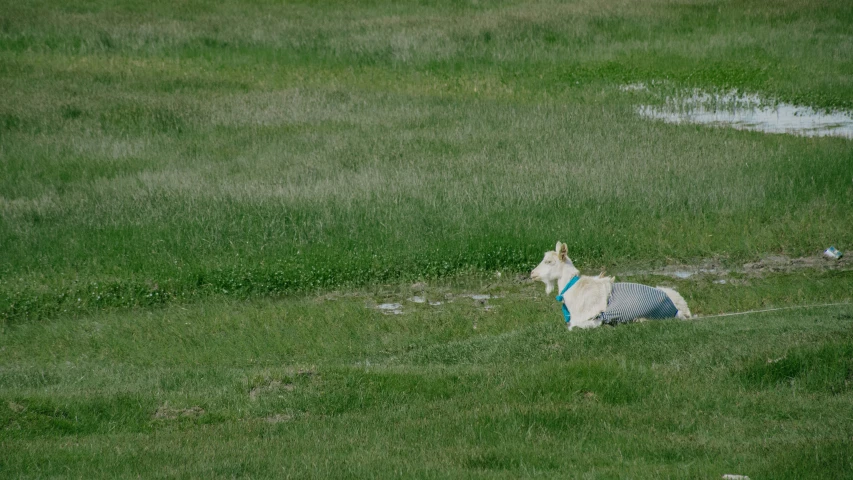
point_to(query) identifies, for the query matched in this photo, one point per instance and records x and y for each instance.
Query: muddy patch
(396, 307)
(478, 297)
(279, 418)
(744, 111)
(781, 263)
(272, 386)
(770, 264)
(481, 300)
(708, 267)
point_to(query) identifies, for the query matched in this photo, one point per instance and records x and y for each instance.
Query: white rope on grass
(771, 310)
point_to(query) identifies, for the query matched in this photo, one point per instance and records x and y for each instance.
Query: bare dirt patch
(278, 418)
(769, 264)
(272, 386)
(781, 263)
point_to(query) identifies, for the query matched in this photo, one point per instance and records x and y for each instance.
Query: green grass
(201, 204)
(173, 150)
(329, 387)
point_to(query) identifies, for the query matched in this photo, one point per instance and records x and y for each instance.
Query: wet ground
(768, 264)
(744, 111)
(479, 299)
(716, 270)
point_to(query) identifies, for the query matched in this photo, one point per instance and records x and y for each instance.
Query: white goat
(593, 300)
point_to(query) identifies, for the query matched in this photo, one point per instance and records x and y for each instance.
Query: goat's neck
(569, 272)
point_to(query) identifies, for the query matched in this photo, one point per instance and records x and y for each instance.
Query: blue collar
(566, 314)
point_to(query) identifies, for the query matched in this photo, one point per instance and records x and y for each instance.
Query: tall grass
(172, 149)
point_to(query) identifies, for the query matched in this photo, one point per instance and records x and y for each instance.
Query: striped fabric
(630, 301)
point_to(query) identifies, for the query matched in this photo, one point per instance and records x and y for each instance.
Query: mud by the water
(713, 268)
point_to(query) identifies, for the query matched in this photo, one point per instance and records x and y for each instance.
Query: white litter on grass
(749, 112)
(416, 299)
(435, 304)
(730, 476)
(390, 308)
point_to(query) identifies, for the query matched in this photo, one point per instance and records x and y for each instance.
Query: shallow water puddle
(397, 308)
(390, 308)
(747, 112)
(478, 296)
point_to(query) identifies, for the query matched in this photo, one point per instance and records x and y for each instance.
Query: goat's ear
(563, 251)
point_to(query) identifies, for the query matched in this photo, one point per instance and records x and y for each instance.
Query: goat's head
(553, 266)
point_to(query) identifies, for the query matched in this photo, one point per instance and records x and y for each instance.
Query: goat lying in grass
(590, 301)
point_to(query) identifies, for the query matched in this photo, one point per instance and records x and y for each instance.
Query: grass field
(327, 388)
(177, 149)
(200, 205)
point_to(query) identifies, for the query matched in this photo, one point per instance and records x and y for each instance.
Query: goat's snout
(534, 274)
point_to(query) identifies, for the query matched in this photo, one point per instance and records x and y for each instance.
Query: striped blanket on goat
(630, 301)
